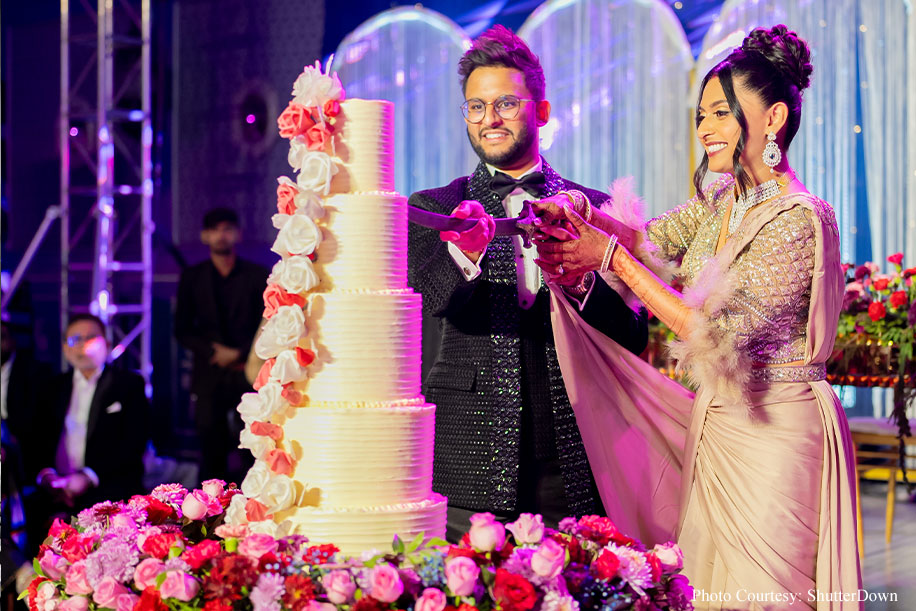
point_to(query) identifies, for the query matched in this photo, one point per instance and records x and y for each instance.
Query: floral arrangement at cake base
(171, 550)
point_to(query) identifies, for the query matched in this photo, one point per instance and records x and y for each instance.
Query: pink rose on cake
(286, 195)
(299, 235)
(287, 368)
(282, 332)
(279, 462)
(276, 296)
(316, 169)
(294, 274)
(317, 136)
(295, 120)
(312, 88)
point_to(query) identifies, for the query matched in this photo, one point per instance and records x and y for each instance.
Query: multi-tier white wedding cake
(342, 438)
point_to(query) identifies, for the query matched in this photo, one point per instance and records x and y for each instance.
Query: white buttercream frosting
(363, 145)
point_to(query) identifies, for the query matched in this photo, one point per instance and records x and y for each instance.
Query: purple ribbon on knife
(522, 225)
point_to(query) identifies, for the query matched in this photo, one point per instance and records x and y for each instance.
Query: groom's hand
(472, 241)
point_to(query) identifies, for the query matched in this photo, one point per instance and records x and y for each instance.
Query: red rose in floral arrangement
(898, 299)
(77, 548)
(158, 546)
(294, 121)
(896, 258)
(158, 512)
(150, 601)
(881, 284)
(876, 311)
(910, 271)
(598, 529)
(607, 565)
(199, 554)
(513, 592)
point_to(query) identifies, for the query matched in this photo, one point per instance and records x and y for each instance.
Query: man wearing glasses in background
(94, 426)
(506, 436)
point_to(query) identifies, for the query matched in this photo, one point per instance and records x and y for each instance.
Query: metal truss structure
(106, 185)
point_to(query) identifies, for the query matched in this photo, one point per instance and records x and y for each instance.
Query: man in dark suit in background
(506, 436)
(96, 428)
(217, 316)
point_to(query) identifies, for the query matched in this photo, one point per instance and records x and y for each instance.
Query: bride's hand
(550, 209)
(577, 256)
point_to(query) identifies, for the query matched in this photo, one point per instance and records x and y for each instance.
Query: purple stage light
(250, 119)
(74, 131)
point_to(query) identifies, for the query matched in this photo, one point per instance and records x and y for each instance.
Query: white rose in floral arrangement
(235, 513)
(259, 445)
(281, 332)
(316, 169)
(312, 88)
(299, 235)
(295, 274)
(252, 408)
(278, 494)
(256, 479)
(287, 368)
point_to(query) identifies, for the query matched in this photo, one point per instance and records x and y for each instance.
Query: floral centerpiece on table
(171, 550)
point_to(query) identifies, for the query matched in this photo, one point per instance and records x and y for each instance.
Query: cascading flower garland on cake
(173, 550)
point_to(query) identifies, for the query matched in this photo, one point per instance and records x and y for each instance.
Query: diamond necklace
(756, 195)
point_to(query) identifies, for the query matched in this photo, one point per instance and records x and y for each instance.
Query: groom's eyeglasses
(506, 106)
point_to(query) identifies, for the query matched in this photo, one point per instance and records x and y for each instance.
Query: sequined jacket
(496, 374)
(769, 292)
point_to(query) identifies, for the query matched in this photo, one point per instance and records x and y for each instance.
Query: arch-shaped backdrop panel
(617, 77)
(410, 57)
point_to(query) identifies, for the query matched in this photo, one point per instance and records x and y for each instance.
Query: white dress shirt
(71, 452)
(529, 274)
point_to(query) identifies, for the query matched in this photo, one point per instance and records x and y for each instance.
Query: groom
(506, 436)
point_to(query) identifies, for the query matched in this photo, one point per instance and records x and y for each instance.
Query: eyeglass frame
(465, 110)
(73, 341)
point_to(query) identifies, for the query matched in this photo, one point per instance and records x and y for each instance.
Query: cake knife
(522, 225)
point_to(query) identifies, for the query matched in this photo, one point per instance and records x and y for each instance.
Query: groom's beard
(523, 142)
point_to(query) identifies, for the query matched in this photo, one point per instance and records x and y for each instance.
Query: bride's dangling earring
(771, 153)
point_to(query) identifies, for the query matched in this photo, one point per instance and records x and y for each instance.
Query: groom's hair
(498, 46)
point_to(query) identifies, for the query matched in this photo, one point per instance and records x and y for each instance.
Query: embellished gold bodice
(768, 304)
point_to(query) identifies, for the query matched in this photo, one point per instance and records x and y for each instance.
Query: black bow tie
(503, 184)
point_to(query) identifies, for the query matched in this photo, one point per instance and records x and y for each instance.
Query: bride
(754, 475)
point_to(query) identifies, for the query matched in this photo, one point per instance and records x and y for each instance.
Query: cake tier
(363, 144)
(348, 456)
(368, 346)
(369, 528)
(364, 245)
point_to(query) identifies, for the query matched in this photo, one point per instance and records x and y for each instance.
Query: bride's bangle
(608, 253)
(580, 203)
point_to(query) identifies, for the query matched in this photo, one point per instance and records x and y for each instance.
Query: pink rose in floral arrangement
(286, 197)
(214, 487)
(107, 592)
(314, 605)
(77, 582)
(432, 599)
(77, 547)
(339, 586)
(74, 603)
(461, 575)
(295, 120)
(53, 565)
(122, 520)
(896, 258)
(179, 585)
(486, 533)
(670, 556)
(527, 529)
(126, 602)
(256, 545)
(386, 584)
(61, 530)
(198, 505)
(549, 558)
(317, 136)
(47, 598)
(146, 572)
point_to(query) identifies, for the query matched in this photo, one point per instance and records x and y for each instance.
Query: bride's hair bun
(785, 50)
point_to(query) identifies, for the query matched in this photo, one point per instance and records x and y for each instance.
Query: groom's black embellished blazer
(496, 382)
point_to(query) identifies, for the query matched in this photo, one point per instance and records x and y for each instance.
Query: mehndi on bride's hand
(573, 257)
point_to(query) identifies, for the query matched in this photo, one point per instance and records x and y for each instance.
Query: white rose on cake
(316, 169)
(252, 408)
(269, 527)
(299, 235)
(235, 513)
(307, 201)
(256, 479)
(295, 274)
(287, 368)
(281, 332)
(258, 444)
(271, 395)
(278, 494)
(312, 88)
